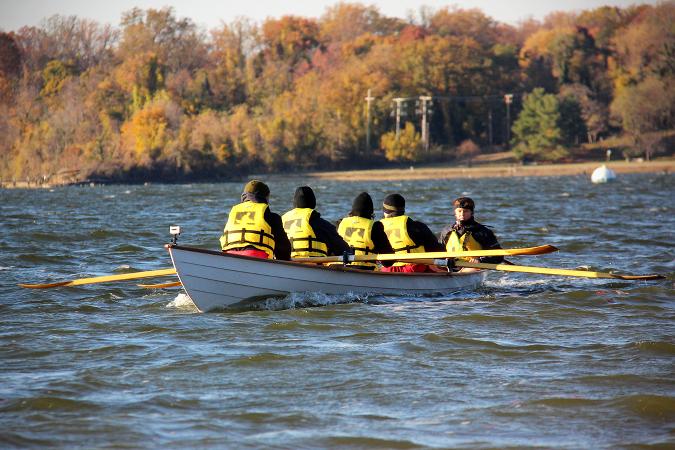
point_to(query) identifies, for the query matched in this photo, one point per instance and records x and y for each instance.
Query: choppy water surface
(527, 361)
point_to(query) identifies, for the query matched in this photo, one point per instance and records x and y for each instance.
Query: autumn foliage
(158, 97)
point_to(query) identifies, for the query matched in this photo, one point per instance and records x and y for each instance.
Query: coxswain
(310, 235)
(467, 234)
(406, 235)
(363, 234)
(252, 229)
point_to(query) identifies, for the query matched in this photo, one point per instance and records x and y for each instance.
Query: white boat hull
(216, 280)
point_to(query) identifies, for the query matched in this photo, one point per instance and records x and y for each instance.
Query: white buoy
(602, 174)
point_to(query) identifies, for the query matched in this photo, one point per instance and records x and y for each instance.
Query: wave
(39, 258)
(365, 442)
(48, 404)
(658, 347)
(647, 406)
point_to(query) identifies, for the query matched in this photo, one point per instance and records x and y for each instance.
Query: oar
(104, 279)
(540, 250)
(554, 271)
(160, 285)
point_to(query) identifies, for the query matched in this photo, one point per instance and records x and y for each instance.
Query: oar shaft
(103, 279)
(554, 271)
(540, 250)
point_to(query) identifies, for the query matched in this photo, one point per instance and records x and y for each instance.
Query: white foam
(307, 299)
(182, 301)
(506, 281)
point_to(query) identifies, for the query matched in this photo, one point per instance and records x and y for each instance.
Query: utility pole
(398, 102)
(508, 99)
(490, 126)
(424, 99)
(369, 99)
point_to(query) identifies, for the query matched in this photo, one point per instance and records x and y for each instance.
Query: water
(527, 361)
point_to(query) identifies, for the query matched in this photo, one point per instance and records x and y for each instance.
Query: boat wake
(308, 300)
(183, 301)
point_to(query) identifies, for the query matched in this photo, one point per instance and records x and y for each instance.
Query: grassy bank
(447, 172)
(498, 170)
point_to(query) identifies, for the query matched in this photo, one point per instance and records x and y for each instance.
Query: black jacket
(422, 235)
(327, 233)
(482, 234)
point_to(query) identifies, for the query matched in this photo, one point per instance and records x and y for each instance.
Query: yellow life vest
(246, 226)
(303, 240)
(397, 233)
(357, 233)
(462, 243)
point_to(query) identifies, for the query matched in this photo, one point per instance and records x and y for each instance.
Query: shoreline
(495, 171)
(431, 172)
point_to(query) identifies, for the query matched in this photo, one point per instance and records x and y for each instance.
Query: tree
(149, 131)
(647, 46)
(468, 150)
(345, 22)
(10, 66)
(647, 106)
(231, 45)
(595, 114)
(176, 42)
(290, 39)
(406, 148)
(571, 123)
(536, 132)
(54, 75)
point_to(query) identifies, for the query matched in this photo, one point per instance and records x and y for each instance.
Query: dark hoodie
(482, 234)
(394, 205)
(324, 230)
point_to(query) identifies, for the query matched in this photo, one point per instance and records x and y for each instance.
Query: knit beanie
(394, 203)
(304, 198)
(363, 205)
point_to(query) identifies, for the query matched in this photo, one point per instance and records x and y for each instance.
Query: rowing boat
(216, 280)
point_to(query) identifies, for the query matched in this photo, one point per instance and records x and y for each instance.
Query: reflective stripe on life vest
(462, 243)
(303, 239)
(357, 233)
(246, 226)
(396, 229)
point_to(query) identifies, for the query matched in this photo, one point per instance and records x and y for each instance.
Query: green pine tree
(537, 133)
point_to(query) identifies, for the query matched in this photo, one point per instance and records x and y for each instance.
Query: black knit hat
(363, 206)
(394, 203)
(464, 203)
(304, 198)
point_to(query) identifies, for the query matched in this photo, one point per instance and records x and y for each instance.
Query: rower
(252, 229)
(310, 235)
(406, 235)
(363, 234)
(467, 234)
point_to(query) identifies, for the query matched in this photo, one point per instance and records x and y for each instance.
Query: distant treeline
(158, 97)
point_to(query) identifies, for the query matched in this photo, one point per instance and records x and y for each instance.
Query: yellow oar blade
(160, 285)
(554, 271)
(104, 279)
(540, 250)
